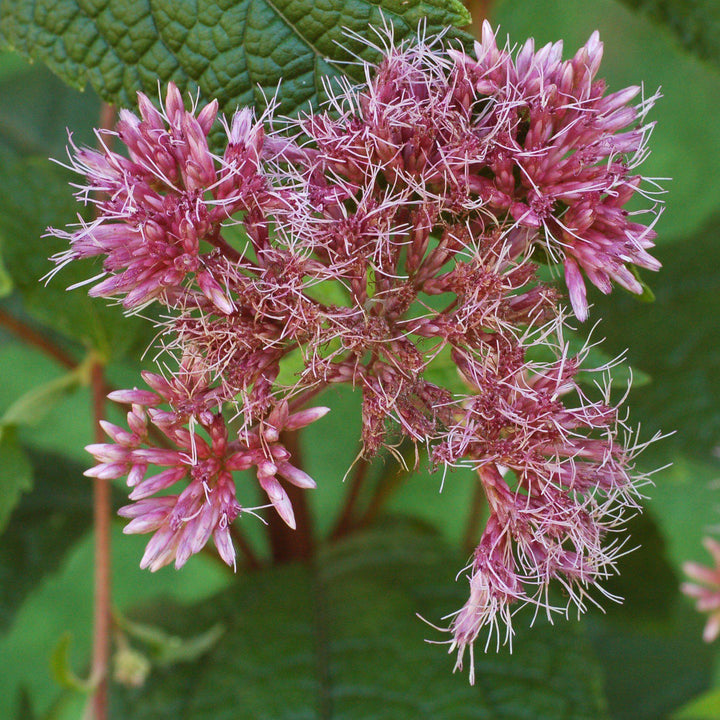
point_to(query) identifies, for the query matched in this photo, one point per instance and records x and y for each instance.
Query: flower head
(396, 230)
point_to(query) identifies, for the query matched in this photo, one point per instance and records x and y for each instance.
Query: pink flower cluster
(399, 228)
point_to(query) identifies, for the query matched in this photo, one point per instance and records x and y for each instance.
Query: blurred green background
(647, 658)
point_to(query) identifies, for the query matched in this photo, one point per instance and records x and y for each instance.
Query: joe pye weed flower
(400, 226)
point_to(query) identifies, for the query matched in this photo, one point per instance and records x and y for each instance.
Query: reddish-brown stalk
(288, 544)
(479, 10)
(346, 521)
(101, 517)
(475, 516)
(32, 337)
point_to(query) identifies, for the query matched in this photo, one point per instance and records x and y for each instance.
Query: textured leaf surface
(229, 49)
(33, 406)
(650, 645)
(341, 640)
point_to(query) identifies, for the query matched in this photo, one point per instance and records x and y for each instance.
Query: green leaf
(16, 476)
(647, 294)
(61, 601)
(686, 503)
(651, 670)
(42, 528)
(650, 646)
(234, 51)
(696, 24)
(705, 707)
(341, 639)
(38, 108)
(33, 195)
(169, 649)
(675, 340)
(34, 405)
(62, 671)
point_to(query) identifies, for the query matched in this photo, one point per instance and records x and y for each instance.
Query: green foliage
(33, 406)
(15, 474)
(696, 23)
(237, 52)
(341, 639)
(62, 672)
(648, 646)
(42, 528)
(679, 345)
(166, 649)
(26, 248)
(706, 707)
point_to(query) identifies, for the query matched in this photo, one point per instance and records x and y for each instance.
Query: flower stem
(472, 527)
(102, 506)
(288, 544)
(479, 10)
(345, 521)
(32, 337)
(101, 515)
(387, 484)
(252, 561)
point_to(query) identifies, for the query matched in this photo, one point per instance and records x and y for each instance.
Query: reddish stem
(252, 561)
(288, 544)
(345, 521)
(227, 250)
(101, 515)
(35, 339)
(472, 528)
(102, 508)
(479, 10)
(389, 482)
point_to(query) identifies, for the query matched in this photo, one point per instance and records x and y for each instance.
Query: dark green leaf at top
(231, 50)
(341, 640)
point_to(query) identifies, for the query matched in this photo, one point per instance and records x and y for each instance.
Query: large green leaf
(650, 645)
(686, 503)
(696, 23)
(42, 528)
(675, 340)
(15, 475)
(651, 669)
(340, 639)
(231, 50)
